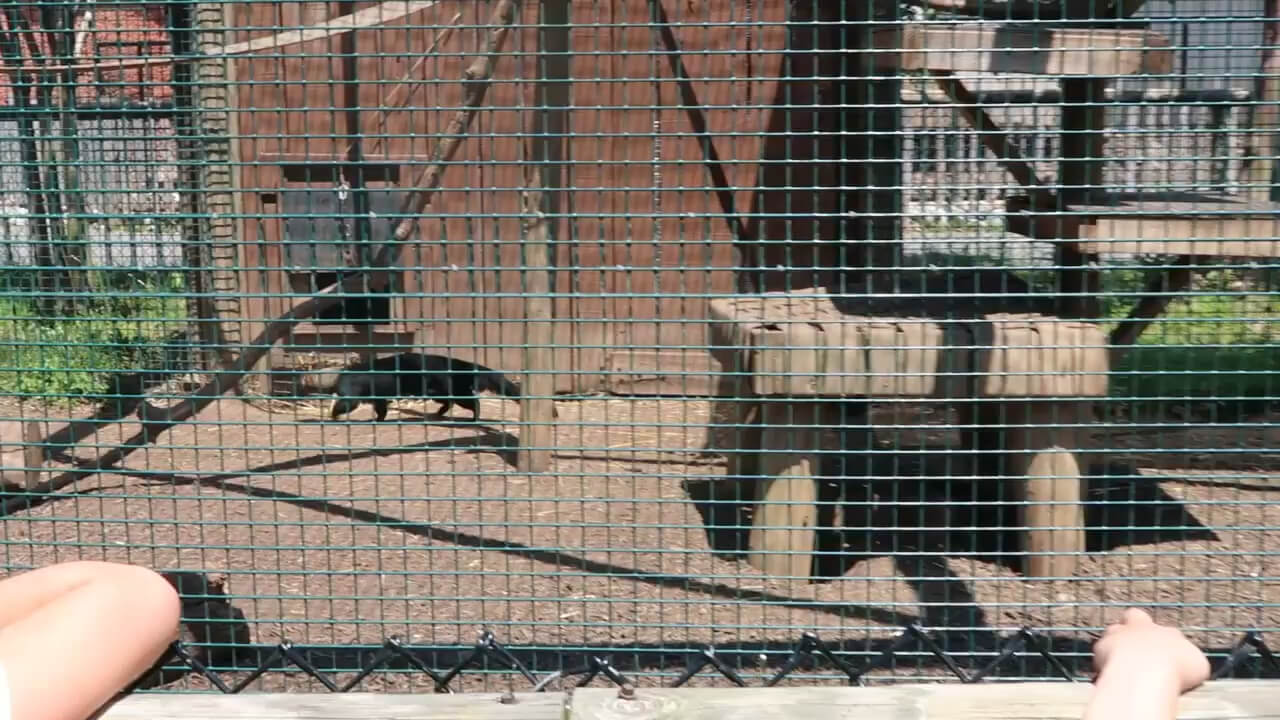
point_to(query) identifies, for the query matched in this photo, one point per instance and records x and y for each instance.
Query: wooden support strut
(783, 535)
(1040, 445)
(992, 136)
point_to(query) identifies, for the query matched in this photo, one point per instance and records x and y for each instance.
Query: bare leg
(1142, 670)
(75, 634)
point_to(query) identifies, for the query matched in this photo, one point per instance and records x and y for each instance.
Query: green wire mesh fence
(626, 336)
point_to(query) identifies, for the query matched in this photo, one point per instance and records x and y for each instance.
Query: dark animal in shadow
(445, 379)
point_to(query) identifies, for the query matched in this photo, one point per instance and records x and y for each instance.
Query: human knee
(161, 597)
(143, 589)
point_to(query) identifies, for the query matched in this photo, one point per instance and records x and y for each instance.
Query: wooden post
(32, 455)
(1081, 176)
(542, 197)
(1265, 115)
(537, 410)
(550, 143)
(871, 152)
(551, 150)
(1040, 459)
(783, 536)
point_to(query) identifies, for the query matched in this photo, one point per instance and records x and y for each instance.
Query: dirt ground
(336, 533)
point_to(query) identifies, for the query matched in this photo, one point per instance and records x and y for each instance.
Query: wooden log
(1040, 461)
(538, 407)
(1218, 700)
(783, 535)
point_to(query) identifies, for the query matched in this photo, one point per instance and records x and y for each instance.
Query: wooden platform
(787, 357)
(1182, 223)
(1219, 700)
(1033, 48)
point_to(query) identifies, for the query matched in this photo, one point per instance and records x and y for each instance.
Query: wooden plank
(782, 537)
(337, 706)
(1008, 47)
(1218, 700)
(1199, 224)
(1035, 9)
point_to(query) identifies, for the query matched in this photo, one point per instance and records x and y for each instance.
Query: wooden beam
(998, 48)
(342, 706)
(1216, 700)
(380, 14)
(1220, 700)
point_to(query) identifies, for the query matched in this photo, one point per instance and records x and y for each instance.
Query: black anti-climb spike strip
(263, 667)
(886, 656)
(1041, 646)
(1248, 645)
(180, 651)
(704, 657)
(594, 667)
(493, 647)
(1021, 640)
(1256, 641)
(395, 647)
(487, 645)
(302, 664)
(929, 644)
(807, 651)
(803, 653)
(1008, 648)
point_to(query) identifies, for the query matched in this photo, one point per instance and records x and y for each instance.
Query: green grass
(120, 328)
(1205, 346)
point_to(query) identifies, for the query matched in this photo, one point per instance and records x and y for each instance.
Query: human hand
(1138, 646)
